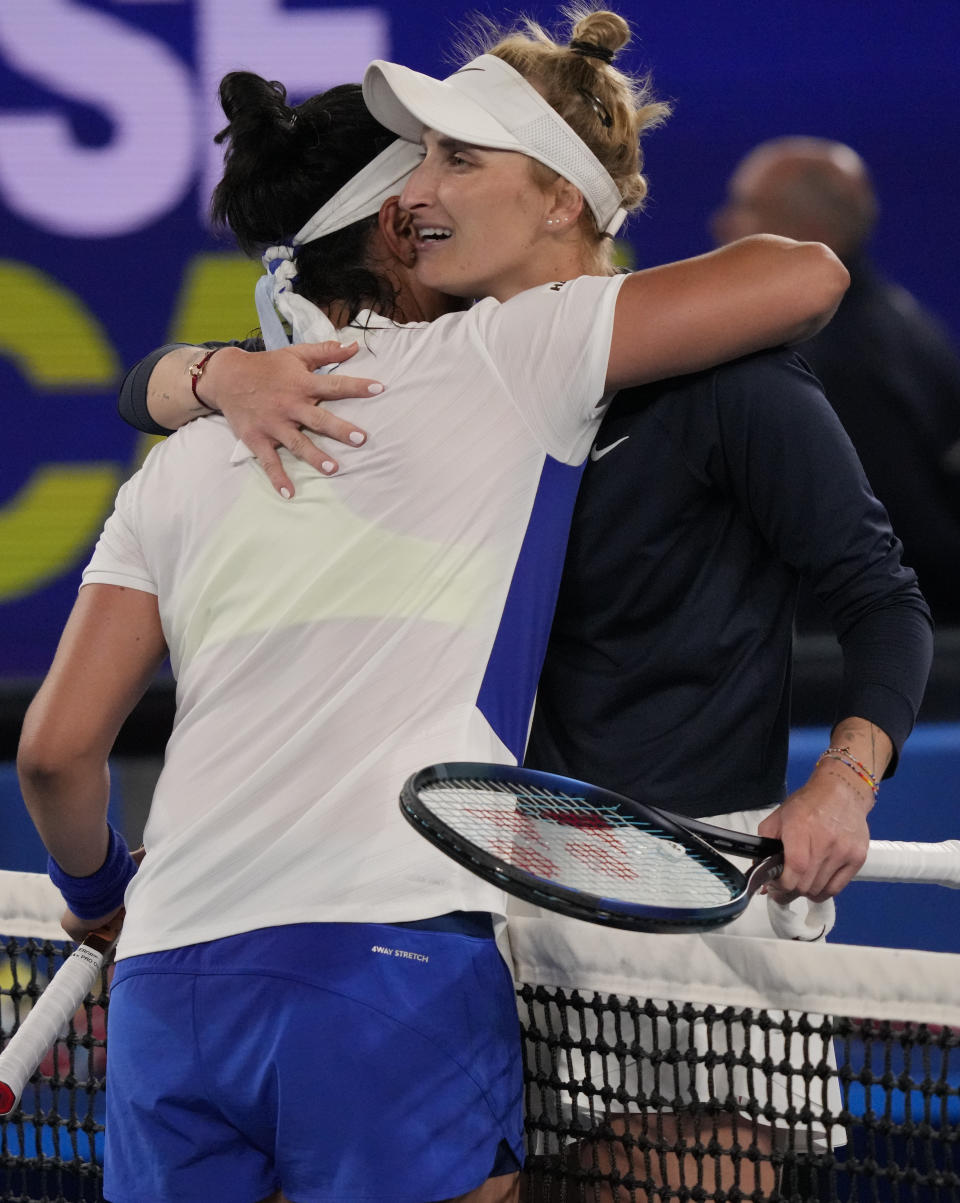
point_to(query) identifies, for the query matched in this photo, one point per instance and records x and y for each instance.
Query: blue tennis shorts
(340, 1062)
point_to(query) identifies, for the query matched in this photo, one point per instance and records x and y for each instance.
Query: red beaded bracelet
(196, 371)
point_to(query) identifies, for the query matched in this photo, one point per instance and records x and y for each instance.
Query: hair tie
(592, 50)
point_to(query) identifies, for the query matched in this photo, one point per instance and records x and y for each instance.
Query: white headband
(487, 103)
(360, 197)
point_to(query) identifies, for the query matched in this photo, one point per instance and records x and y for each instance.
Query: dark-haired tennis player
(668, 671)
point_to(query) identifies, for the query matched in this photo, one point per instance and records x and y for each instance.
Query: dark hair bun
(258, 113)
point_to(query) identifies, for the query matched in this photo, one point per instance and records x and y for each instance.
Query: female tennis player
(322, 987)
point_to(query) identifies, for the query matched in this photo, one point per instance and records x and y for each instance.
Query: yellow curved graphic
(58, 345)
(216, 299)
(50, 334)
(215, 302)
(53, 520)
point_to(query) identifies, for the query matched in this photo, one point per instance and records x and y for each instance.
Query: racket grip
(903, 860)
(48, 1017)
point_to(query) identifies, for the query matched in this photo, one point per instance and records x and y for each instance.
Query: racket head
(578, 849)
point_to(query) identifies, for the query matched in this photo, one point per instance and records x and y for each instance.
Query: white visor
(487, 103)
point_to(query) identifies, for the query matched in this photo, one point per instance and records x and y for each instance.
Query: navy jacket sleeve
(788, 459)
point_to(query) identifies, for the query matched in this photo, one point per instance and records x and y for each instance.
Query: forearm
(171, 398)
(865, 742)
(824, 824)
(68, 806)
(156, 394)
(110, 648)
(820, 280)
(132, 397)
(842, 787)
(62, 765)
(760, 292)
(170, 401)
(89, 861)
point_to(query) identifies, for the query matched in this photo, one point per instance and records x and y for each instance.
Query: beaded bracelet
(845, 756)
(196, 370)
(102, 892)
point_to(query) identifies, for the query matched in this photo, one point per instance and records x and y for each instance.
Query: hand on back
(270, 398)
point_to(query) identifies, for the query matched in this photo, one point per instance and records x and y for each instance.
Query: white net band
(884, 983)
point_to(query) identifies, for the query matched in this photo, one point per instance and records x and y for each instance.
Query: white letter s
(140, 87)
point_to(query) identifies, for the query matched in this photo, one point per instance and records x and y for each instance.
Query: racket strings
(567, 839)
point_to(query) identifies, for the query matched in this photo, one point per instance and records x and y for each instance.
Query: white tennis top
(387, 617)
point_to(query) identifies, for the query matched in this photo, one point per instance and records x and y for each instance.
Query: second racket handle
(50, 1014)
(902, 860)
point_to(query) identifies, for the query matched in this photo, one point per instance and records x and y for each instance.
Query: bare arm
(110, 648)
(759, 292)
(756, 293)
(823, 824)
(268, 397)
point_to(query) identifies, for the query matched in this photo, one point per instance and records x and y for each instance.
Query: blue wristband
(102, 892)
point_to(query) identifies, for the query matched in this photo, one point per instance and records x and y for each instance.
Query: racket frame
(578, 904)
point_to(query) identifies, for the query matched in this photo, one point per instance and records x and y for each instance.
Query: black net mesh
(627, 1099)
(634, 1099)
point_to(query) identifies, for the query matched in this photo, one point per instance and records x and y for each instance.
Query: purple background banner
(107, 111)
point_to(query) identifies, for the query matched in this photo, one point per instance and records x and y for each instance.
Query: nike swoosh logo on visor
(599, 452)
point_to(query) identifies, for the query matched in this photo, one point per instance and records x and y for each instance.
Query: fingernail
(356, 437)
(375, 388)
(328, 466)
(352, 343)
(285, 493)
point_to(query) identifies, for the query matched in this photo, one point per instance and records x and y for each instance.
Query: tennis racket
(51, 1013)
(592, 854)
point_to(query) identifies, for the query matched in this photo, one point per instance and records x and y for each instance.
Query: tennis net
(717, 1067)
(51, 1147)
(680, 1067)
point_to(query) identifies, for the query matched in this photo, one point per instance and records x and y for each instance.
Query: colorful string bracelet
(845, 756)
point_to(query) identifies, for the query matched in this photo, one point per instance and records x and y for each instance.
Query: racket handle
(887, 860)
(50, 1014)
(903, 860)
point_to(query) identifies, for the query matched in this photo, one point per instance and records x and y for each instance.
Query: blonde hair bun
(601, 28)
